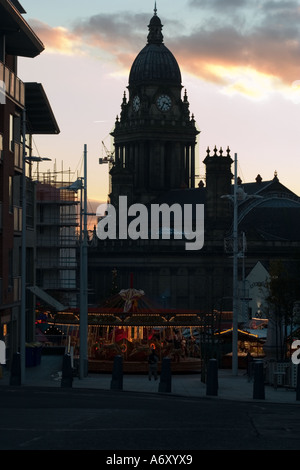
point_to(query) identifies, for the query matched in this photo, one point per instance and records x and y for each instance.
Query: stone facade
(155, 162)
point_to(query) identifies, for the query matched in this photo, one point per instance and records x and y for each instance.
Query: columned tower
(218, 211)
(155, 135)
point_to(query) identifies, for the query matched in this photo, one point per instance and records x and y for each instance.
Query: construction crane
(109, 158)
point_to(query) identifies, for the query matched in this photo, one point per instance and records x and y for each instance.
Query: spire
(155, 35)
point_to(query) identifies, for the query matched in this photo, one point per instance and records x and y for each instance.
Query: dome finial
(155, 35)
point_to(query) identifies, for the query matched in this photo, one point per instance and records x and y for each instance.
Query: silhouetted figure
(249, 366)
(152, 361)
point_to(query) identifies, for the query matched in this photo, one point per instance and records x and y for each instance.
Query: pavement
(230, 387)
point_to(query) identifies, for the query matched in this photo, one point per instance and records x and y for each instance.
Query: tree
(284, 290)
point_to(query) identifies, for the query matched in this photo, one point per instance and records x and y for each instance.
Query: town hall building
(154, 145)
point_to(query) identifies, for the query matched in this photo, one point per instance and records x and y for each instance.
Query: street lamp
(235, 200)
(25, 159)
(81, 184)
(83, 319)
(37, 159)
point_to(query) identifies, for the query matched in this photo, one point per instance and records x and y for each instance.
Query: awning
(40, 117)
(47, 298)
(20, 38)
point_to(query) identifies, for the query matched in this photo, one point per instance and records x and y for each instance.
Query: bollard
(258, 384)
(298, 383)
(117, 374)
(212, 378)
(15, 373)
(165, 384)
(67, 372)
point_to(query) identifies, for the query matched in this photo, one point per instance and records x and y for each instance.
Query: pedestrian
(152, 362)
(249, 366)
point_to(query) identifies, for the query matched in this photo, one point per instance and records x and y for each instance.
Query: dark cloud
(122, 30)
(266, 51)
(212, 4)
(122, 36)
(261, 35)
(280, 5)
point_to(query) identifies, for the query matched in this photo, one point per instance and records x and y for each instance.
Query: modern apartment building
(57, 227)
(24, 112)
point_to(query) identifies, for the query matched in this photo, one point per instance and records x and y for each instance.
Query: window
(11, 133)
(14, 131)
(10, 194)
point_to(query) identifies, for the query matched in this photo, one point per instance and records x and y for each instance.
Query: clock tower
(155, 135)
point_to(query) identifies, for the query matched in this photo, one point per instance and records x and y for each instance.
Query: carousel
(130, 325)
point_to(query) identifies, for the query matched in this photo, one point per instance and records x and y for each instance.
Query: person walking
(152, 362)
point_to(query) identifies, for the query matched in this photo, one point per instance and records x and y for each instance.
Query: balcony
(14, 87)
(18, 156)
(17, 219)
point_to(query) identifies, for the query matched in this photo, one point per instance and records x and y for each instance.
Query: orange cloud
(57, 39)
(275, 57)
(252, 62)
(99, 39)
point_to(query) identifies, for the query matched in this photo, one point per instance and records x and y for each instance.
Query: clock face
(164, 102)
(136, 103)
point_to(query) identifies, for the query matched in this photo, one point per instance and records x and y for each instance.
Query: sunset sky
(240, 64)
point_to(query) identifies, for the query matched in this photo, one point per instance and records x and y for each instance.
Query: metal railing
(14, 87)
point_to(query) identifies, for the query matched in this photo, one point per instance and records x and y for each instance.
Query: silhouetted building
(57, 225)
(18, 39)
(155, 138)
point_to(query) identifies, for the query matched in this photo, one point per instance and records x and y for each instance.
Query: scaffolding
(58, 232)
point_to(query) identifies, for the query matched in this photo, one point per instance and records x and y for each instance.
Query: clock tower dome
(155, 135)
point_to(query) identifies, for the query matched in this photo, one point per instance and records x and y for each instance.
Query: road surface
(39, 418)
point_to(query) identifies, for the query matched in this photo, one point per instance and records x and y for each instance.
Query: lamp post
(235, 297)
(23, 260)
(83, 318)
(25, 159)
(234, 199)
(81, 184)
(235, 275)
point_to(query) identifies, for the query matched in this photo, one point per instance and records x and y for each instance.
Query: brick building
(24, 112)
